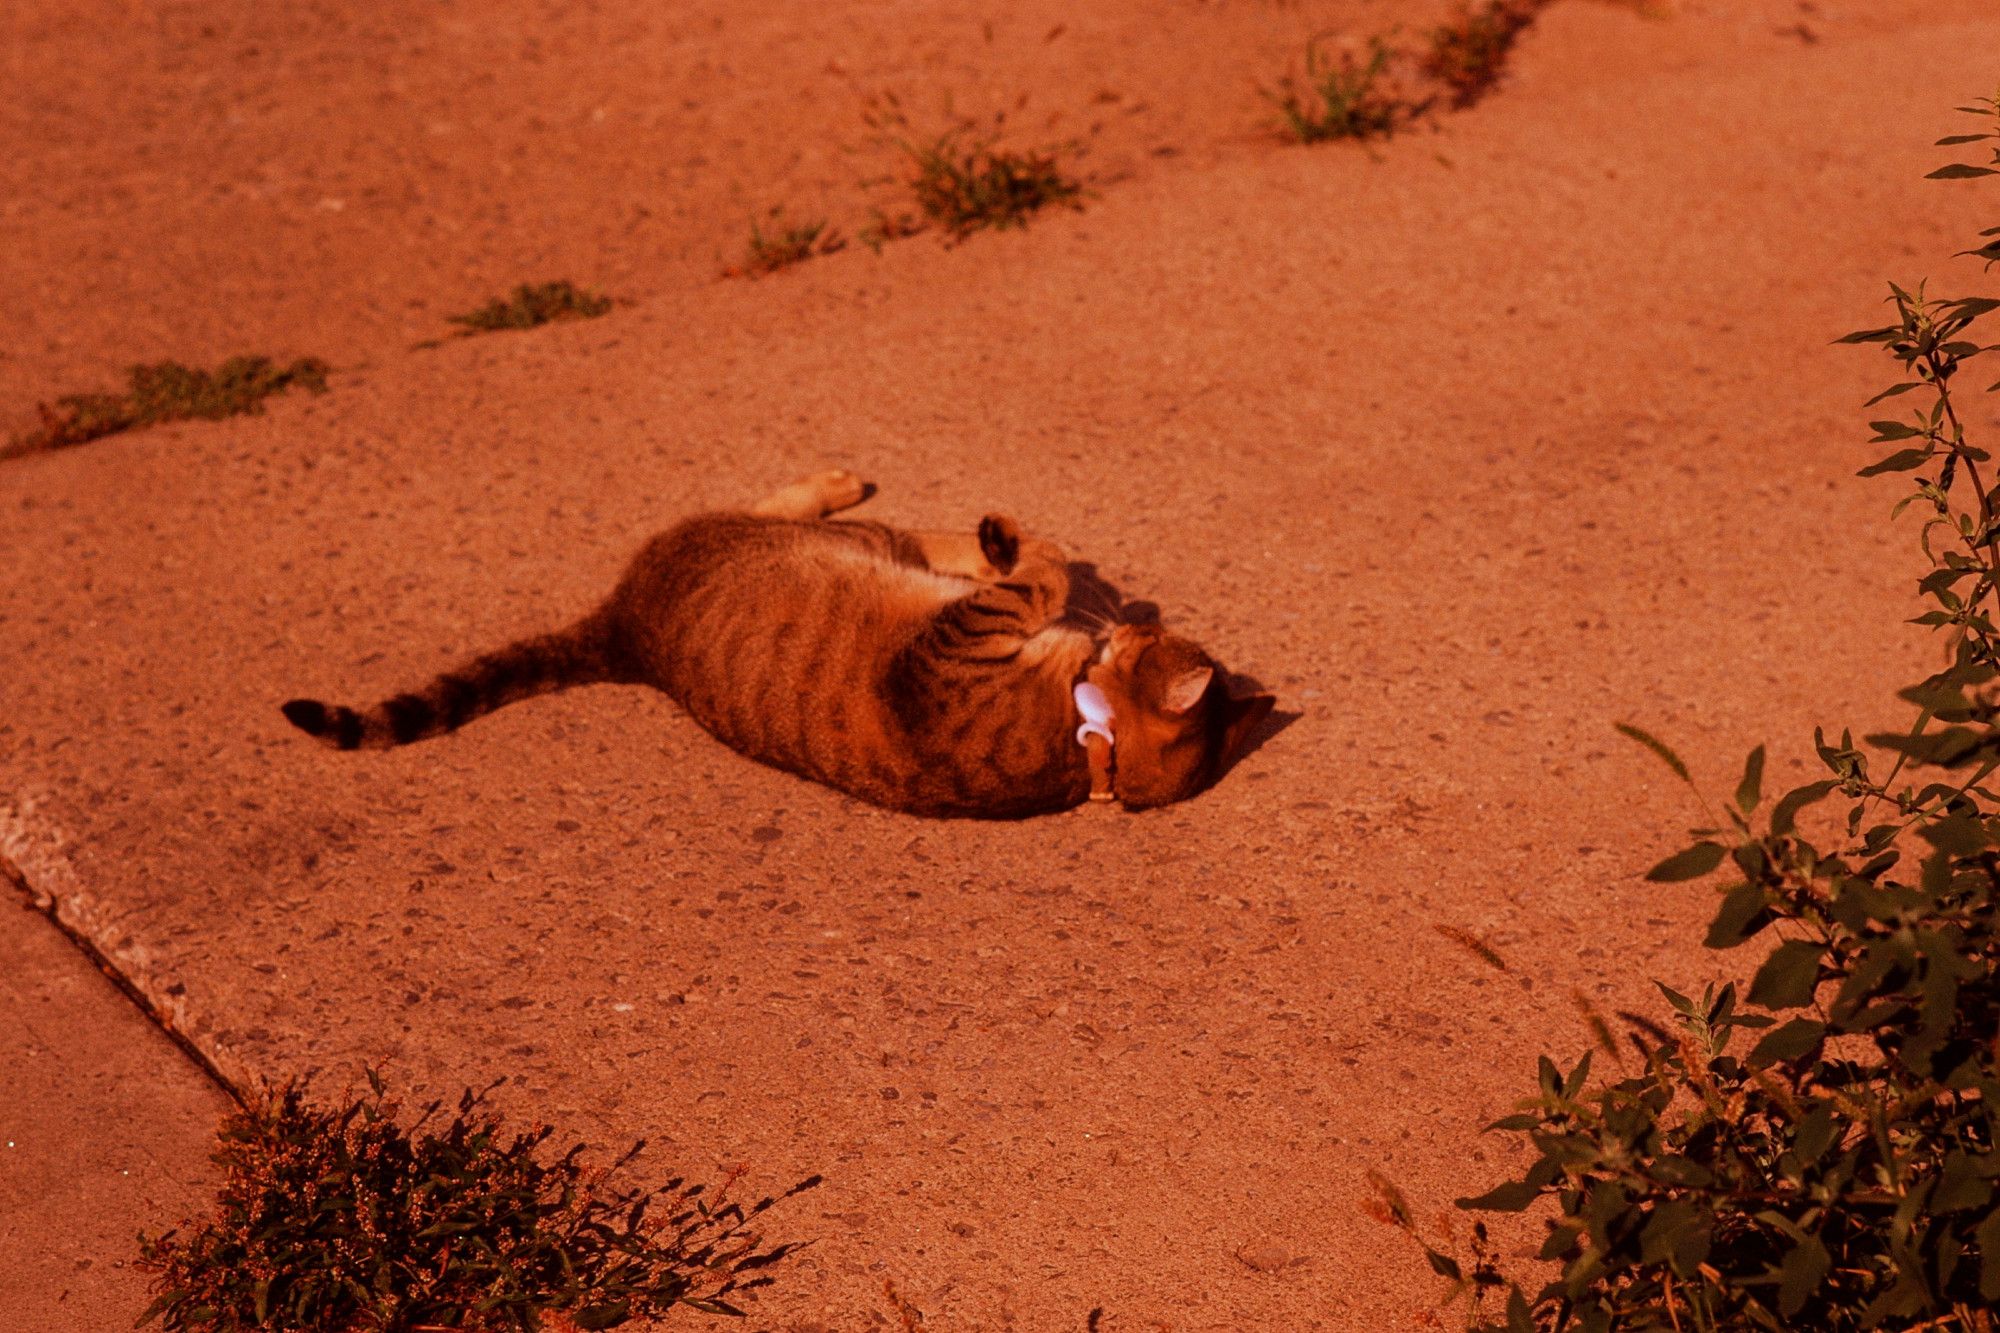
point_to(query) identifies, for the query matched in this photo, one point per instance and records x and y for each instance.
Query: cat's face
(1177, 725)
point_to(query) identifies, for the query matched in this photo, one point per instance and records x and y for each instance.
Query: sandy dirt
(1468, 445)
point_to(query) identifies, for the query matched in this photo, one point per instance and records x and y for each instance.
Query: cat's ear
(1242, 718)
(1187, 689)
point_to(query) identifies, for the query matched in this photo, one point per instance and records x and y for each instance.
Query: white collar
(1098, 719)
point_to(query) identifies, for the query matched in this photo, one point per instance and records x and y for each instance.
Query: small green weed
(1361, 99)
(789, 244)
(168, 391)
(339, 1219)
(1467, 54)
(1341, 100)
(535, 304)
(963, 182)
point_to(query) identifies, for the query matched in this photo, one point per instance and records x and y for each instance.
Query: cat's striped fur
(927, 672)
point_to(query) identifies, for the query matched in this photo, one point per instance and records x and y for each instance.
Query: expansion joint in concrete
(47, 907)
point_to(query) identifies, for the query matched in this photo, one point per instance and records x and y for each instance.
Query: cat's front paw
(838, 489)
(1000, 542)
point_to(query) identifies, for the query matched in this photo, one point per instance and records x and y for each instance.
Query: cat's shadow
(1095, 601)
(1275, 723)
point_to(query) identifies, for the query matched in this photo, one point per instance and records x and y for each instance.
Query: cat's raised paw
(816, 496)
(839, 489)
(1000, 542)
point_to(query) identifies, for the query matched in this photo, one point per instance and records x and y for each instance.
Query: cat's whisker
(1093, 619)
(1102, 604)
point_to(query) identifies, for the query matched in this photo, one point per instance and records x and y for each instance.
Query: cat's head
(1178, 726)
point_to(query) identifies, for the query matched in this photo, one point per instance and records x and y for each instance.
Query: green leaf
(1743, 913)
(1788, 976)
(1960, 835)
(1785, 814)
(1816, 1133)
(1692, 863)
(1951, 139)
(1523, 1120)
(1894, 390)
(1987, 1237)
(1801, 1273)
(1788, 1042)
(1561, 1242)
(1674, 1222)
(178, 1295)
(1443, 1265)
(1882, 335)
(1958, 171)
(1750, 791)
(1684, 1171)
(1903, 460)
(1668, 757)
(1960, 1185)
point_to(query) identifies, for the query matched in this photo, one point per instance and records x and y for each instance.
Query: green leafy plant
(168, 391)
(1468, 53)
(1821, 1151)
(532, 305)
(1344, 99)
(789, 243)
(339, 1218)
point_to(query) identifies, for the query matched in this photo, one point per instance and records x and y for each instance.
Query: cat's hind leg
(816, 496)
(954, 553)
(993, 619)
(989, 554)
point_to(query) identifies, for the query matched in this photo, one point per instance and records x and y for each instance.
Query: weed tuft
(1341, 100)
(1468, 54)
(964, 183)
(789, 244)
(339, 1218)
(168, 391)
(535, 304)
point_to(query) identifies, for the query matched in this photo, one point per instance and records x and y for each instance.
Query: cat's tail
(583, 654)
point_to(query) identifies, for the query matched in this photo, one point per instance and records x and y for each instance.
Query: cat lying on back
(924, 671)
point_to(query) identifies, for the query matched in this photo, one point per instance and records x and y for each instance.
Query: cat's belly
(827, 719)
(786, 661)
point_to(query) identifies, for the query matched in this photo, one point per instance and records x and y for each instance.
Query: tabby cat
(925, 671)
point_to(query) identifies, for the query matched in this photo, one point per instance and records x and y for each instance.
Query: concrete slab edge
(32, 861)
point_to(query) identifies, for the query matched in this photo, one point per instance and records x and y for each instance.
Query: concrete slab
(220, 178)
(1468, 446)
(105, 1130)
